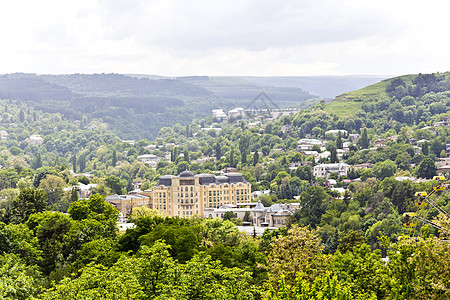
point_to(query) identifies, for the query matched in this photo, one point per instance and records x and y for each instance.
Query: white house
(324, 170)
(219, 115)
(336, 131)
(35, 139)
(237, 112)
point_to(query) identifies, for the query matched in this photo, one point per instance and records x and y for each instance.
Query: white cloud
(247, 37)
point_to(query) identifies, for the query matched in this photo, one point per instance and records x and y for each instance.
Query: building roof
(186, 174)
(204, 179)
(259, 207)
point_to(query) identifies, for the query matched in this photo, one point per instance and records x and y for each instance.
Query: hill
(412, 85)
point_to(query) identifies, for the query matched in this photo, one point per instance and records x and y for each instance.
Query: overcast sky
(232, 37)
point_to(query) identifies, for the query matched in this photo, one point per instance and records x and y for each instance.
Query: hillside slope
(406, 85)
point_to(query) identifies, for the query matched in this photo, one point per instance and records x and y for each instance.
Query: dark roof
(235, 178)
(204, 179)
(186, 174)
(165, 180)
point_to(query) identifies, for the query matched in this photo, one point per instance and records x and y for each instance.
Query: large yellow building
(187, 194)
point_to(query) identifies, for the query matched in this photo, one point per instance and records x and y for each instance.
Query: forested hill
(136, 107)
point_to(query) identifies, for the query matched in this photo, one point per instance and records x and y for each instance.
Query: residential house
(336, 131)
(219, 115)
(35, 139)
(276, 215)
(237, 112)
(3, 135)
(126, 203)
(324, 170)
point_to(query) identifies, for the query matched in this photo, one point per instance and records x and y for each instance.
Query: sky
(225, 38)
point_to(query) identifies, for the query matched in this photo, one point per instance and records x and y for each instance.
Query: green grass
(342, 108)
(351, 102)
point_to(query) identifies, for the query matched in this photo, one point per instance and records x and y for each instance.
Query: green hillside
(351, 102)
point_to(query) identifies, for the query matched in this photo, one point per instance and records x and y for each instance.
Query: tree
(333, 154)
(74, 195)
(82, 163)
(182, 166)
(312, 202)
(231, 159)
(37, 162)
(244, 143)
(363, 141)
(54, 187)
(218, 150)
(384, 169)
(255, 158)
(114, 158)
(188, 131)
(323, 287)
(186, 155)
(96, 208)
(114, 184)
(156, 265)
(425, 148)
(339, 143)
(298, 252)
(28, 202)
(74, 163)
(265, 150)
(17, 280)
(427, 168)
(21, 116)
(51, 229)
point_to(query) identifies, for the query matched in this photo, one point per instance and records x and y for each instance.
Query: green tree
(384, 169)
(298, 252)
(51, 229)
(182, 166)
(218, 150)
(156, 266)
(28, 202)
(82, 163)
(54, 187)
(324, 287)
(95, 207)
(17, 280)
(21, 116)
(333, 154)
(363, 141)
(244, 144)
(114, 158)
(186, 155)
(339, 143)
(255, 158)
(425, 148)
(312, 202)
(427, 168)
(114, 184)
(74, 163)
(74, 195)
(37, 161)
